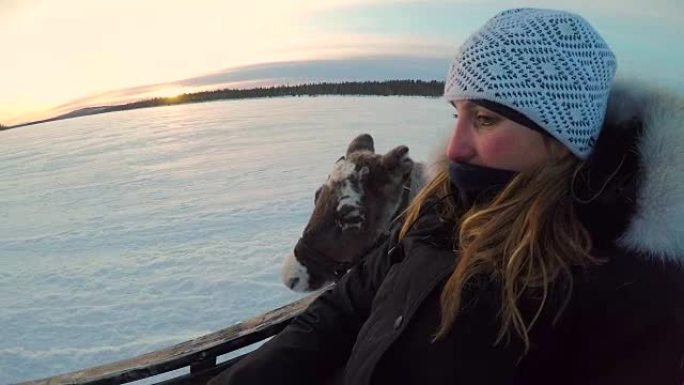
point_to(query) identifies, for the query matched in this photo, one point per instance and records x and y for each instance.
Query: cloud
(9, 8)
(358, 69)
(73, 49)
(295, 72)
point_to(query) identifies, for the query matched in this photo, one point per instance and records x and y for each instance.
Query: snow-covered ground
(127, 232)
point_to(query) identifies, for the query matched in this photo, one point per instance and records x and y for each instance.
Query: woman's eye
(485, 120)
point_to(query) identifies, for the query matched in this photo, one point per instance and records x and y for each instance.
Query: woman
(549, 251)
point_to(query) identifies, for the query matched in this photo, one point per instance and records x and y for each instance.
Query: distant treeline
(384, 88)
(380, 88)
(3, 127)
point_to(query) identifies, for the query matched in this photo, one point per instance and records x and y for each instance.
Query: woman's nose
(461, 147)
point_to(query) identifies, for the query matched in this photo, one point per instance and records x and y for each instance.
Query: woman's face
(484, 138)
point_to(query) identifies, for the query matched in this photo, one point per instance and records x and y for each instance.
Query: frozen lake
(130, 231)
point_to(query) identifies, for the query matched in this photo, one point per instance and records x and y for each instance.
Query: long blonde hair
(525, 239)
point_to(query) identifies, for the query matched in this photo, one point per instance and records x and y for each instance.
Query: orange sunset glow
(63, 55)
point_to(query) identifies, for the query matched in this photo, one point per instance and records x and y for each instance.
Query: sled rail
(198, 354)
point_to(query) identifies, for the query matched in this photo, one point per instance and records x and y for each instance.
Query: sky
(67, 54)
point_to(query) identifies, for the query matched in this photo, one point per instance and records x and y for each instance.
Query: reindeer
(353, 211)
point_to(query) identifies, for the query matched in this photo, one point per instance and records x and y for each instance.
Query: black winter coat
(623, 324)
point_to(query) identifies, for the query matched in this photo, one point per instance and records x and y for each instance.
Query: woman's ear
(563, 152)
(568, 154)
(556, 149)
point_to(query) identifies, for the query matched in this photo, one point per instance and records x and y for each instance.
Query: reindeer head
(353, 208)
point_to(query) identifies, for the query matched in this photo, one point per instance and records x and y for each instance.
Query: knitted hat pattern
(551, 66)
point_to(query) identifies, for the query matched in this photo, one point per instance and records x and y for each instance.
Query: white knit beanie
(549, 65)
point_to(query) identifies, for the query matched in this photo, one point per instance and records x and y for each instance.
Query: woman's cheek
(497, 145)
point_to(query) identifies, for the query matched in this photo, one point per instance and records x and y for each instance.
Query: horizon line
(170, 99)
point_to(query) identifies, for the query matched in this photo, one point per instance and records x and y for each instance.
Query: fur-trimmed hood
(632, 190)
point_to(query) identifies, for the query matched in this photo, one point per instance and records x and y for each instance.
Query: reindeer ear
(398, 160)
(363, 172)
(361, 142)
(318, 192)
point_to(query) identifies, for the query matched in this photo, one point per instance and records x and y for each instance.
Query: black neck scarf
(477, 184)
